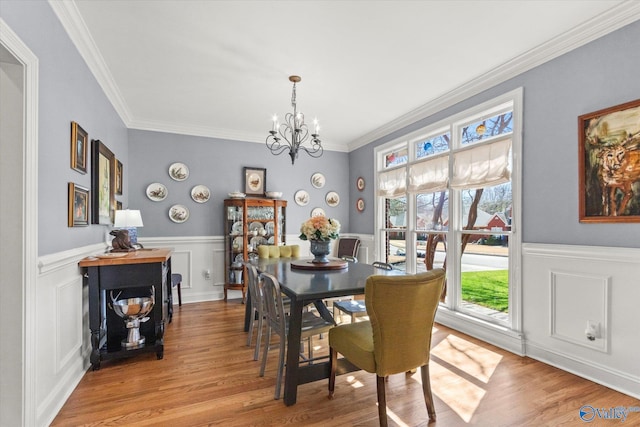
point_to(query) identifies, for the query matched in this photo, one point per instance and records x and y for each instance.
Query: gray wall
(219, 164)
(600, 74)
(68, 92)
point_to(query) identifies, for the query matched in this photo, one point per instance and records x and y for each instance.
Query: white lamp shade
(128, 218)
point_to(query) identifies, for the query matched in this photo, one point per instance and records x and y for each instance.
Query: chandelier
(294, 132)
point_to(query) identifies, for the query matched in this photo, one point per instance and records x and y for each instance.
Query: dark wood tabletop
(311, 286)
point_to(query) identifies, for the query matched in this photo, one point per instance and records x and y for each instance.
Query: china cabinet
(249, 223)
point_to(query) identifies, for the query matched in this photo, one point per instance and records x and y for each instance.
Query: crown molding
(69, 15)
(615, 18)
(211, 132)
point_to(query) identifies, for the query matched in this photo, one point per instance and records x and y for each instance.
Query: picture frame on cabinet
(255, 181)
(79, 206)
(79, 143)
(609, 164)
(103, 169)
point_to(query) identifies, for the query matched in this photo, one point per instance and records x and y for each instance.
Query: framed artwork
(118, 205)
(103, 167)
(360, 205)
(79, 206)
(360, 183)
(118, 177)
(609, 164)
(79, 143)
(255, 181)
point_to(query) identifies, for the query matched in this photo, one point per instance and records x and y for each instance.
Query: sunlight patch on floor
(395, 418)
(468, 357)
(459, 394)
(354, 382)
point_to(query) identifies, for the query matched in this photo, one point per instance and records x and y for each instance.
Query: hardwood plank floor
(208, 377)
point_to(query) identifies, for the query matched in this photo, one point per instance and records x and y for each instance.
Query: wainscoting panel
(566, 286)
(68, 322)
(576, 297)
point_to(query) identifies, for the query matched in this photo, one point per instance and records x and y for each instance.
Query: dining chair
(278, 323)
(349, 258)
(176, 282)
(256, 308)
(397, 336)
(348, 246)
(355, 307)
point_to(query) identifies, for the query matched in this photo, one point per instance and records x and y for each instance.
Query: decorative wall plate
(200, 193)
(178, 171)
(317, 180)
(332, 198)
(318, 212)
(301, 197)
(360, 205)
(178, 213)
(360, 183)
(157, 192)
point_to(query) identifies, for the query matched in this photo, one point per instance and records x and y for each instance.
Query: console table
(131, 275)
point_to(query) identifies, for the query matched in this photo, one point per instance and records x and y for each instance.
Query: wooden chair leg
(179, 294)
(382, 401)
(426, 389)
(333, 360)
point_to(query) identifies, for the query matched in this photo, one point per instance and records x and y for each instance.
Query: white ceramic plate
(237, 195)
(236, 228)
(178, 171)
(200, 194)
(178, 213)
(318, 212)
(360, 205)
(317, 180)
(256, 226)
(157, 192)
(269, 227)
(332, 198)
(301, 197)
(239, 241)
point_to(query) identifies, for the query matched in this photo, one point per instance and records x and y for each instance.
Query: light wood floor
(208, 377)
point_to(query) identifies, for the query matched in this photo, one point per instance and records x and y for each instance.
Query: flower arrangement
(320, 228)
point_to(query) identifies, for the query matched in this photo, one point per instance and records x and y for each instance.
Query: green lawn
(487, 288)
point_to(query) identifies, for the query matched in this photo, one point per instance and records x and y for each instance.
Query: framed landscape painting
(103, 170)
(609, 164)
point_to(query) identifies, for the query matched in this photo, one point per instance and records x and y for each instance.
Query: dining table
(305, 286)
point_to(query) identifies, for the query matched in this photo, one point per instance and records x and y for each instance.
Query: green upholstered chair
(397, 336)
(278, 323)
(285, 251)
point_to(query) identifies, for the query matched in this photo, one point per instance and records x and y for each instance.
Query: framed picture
(118, 205)
(79, 143)
(360, 183)
(255, 181)
(360, 205)
(103, 167)
(609, 164)
(118, 177)
(79, 203)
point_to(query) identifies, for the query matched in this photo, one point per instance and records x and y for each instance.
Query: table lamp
(129, 219)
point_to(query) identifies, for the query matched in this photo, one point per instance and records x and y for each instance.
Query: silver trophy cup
(133, 311)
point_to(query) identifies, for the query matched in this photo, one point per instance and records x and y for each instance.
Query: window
(447, 195)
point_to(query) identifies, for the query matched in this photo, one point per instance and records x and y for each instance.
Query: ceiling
(221, 68)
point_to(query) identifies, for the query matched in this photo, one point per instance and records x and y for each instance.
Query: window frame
(510, 101)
